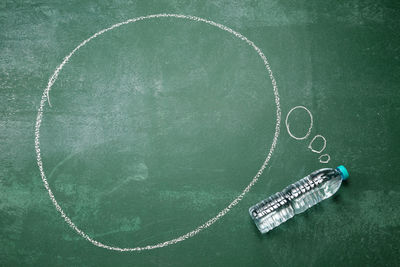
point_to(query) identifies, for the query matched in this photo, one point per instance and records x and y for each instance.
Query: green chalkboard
(151, 132)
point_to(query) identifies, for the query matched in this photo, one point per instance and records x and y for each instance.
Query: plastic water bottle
(297, 198)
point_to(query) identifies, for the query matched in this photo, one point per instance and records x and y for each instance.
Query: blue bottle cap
(343, 172)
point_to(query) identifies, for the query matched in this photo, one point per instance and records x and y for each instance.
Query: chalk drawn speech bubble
(45, 97)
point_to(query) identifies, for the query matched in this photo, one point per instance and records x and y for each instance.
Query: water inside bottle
(295, 198)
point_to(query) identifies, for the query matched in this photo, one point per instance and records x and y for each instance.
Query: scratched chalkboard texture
(156, 126)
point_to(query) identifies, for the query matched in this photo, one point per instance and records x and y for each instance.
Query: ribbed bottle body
(295, 198)
(271, 212)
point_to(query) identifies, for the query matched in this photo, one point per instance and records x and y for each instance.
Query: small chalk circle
(312, 141)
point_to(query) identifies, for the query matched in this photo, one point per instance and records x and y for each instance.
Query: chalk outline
(312, 141)
(46, 96)
(324, 161)
(309, 129)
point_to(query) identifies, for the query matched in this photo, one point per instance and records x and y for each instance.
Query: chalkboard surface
(156, 126)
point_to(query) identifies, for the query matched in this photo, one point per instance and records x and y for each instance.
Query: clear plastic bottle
(297, 198)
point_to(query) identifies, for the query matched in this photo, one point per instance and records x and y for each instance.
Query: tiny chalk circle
(325, 158)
